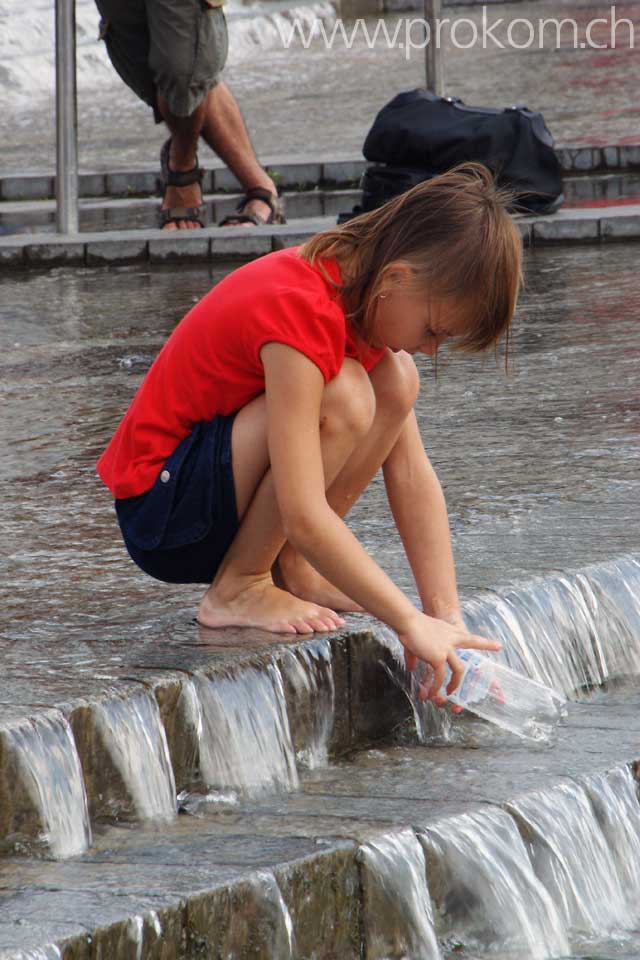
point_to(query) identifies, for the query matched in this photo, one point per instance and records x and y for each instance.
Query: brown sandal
(177, 178)
(257, 193)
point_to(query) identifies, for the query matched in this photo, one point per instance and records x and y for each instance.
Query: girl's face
(407, 320)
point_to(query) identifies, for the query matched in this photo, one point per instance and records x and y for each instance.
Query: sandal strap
(184, 178)
(259, 193)
(175, 214)
(242, 218)
(178, 178)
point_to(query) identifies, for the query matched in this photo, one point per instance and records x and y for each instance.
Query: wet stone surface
(539, 470)
(329, 94)
(206, 875)
(538, 467)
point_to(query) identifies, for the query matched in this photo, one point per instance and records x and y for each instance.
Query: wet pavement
(540, 473)
(165, 871)
(299, 101)
(539, 467)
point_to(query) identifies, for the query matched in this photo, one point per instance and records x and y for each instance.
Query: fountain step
(304, 867)
(233, 245)
(124, 727)
(124, 735)
(127, 213)
(294, 173)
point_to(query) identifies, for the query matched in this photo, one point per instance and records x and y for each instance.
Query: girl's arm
(293, 387)
(420, 512)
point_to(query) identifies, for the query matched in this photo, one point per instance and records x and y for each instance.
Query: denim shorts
(179, 530)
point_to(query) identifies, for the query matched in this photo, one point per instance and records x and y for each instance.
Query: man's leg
(243, 592)
(185, 133)
(395, 384)
(225, 131)
(188, 45)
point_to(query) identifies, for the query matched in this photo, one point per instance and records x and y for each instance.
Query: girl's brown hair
(456, 232)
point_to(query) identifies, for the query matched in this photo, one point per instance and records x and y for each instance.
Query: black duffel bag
(418, 135)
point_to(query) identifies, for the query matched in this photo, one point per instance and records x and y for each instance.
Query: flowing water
(136, 741)
(316, 96)
(309, 671)
(571, 858)
(246, 741)
(48, 762)
(570, 632)
(398, 918)
(554, 874)
(279, 941)
(487, 891)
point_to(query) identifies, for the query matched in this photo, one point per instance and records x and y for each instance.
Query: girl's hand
(434, 641)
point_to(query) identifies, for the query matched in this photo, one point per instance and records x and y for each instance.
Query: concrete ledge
(228, 244)
(217, 894)
(288, 172)
(165, 710)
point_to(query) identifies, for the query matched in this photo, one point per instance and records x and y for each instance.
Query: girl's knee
(396, 383)
(349, 402)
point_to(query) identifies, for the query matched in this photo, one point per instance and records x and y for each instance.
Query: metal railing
(66, 118)
(434, 61)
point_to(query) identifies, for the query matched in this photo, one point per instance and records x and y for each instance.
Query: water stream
(568, 631)
(571, 631)
(398, 918)
(555, 873)
(571, 858)
(309, 672)
(245, 740)
(46, 756)
(135, 738)
(487, 891)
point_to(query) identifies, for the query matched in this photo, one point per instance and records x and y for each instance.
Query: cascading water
(276, 924)
(309, 673)
(27, 53)
(398, 919)
(572, 859)
(46, 755)
(133, 734)
(553, 874)
(245, 737)
(486, 891)
(570, 631)
(614, 796)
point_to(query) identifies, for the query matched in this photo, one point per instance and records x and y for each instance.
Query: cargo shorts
(176, 48)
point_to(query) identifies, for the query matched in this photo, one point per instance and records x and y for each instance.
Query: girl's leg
(395, 382)
(243, 592)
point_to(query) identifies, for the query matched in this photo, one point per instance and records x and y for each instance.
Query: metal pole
(434, 56)
(66, 119)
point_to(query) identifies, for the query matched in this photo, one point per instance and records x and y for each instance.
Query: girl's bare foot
(293, 573)
(257, 602)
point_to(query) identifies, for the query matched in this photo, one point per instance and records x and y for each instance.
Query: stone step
(130, 213)
(98, 214)
(292, 173)
(234, 245)
(163, 703)
(251, 878)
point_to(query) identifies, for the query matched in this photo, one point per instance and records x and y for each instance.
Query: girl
(282, 392)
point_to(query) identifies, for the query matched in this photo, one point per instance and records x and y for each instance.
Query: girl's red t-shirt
(211, 362)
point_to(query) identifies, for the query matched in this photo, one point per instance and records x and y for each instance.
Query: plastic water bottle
(500, 695)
